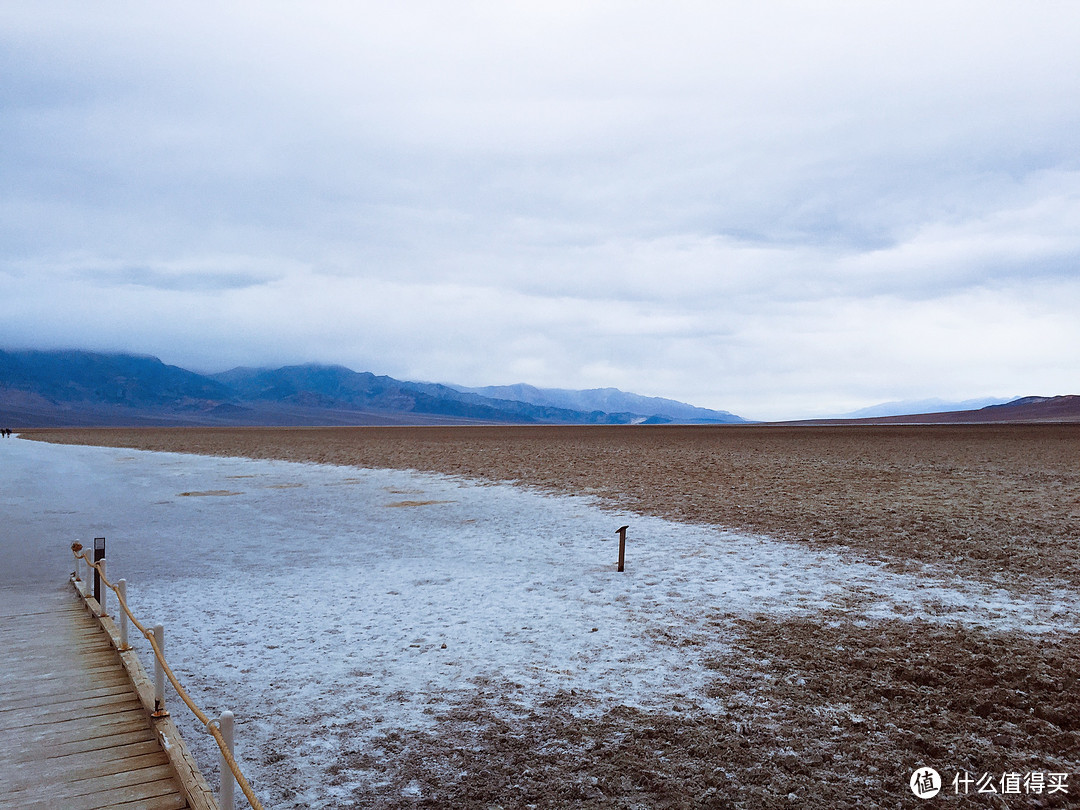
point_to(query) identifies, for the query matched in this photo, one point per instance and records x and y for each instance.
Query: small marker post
(99, 555)
(622, 547)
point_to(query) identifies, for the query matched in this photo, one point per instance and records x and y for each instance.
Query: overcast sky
(776, 209)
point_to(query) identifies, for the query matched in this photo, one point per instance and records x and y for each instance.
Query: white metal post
(225, 794)
(159, 674)
(121, 587)
(104, 589)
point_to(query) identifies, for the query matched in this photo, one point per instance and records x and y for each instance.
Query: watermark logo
(925, 783)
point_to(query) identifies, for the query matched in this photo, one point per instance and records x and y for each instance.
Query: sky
(776, 209)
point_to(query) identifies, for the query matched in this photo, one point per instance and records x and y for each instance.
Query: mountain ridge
(922, 406)
(1023, 410)
(41, 388)
(605, 399)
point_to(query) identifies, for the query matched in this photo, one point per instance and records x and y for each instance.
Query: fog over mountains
(607, 400)
(53, 388)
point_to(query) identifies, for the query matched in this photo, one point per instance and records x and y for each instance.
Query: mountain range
(78, 388)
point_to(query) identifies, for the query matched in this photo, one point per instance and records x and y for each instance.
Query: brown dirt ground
(830, 711)
(819, 713)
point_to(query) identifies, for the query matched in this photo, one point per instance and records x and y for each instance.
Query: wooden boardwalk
(74, 729)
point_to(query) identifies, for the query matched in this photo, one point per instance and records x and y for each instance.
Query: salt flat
(333, 608)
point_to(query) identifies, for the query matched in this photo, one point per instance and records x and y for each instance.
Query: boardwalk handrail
(211, 725)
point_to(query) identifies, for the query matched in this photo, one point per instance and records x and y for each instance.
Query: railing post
(225, 794)
(104, 591)
(121, 588)
(159, 674)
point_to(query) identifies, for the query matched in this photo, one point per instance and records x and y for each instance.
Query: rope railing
(212, 725)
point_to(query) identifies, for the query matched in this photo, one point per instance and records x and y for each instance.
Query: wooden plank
(119, 795)
(100, 783)
(30, 634)
(47, 666)
(81, 649)
(71, 682)
(27, 618)
(30, 639)
(101, 713)
(93, 720)
(66, 688)
(90, 773)
(67, 748)
(78, 729)
(55, 696)
(170, 801)
(72, 648)
(32, 614)
(63, 678)
(131, 796)
(98, 760)
(76, 644)
(52, 713)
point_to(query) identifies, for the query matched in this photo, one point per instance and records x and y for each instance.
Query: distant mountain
(1024, 410)
(1034, 409)
(119, 379)
(911, 406)
(86, 388)
(39, 388)
(607, 400)
(341, 389)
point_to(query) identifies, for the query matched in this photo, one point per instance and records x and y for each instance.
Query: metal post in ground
(228, 781)
(159, 674)
(622, 547)
(121, 588)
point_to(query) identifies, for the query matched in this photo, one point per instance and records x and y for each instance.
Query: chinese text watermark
(926, 783)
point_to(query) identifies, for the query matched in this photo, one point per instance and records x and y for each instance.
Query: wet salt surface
(327, 604)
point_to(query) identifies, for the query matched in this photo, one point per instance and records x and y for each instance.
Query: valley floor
(809, 614)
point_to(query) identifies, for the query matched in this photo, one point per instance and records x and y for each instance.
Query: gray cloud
(777, 211)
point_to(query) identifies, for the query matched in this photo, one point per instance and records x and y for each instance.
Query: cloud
(760, 208)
